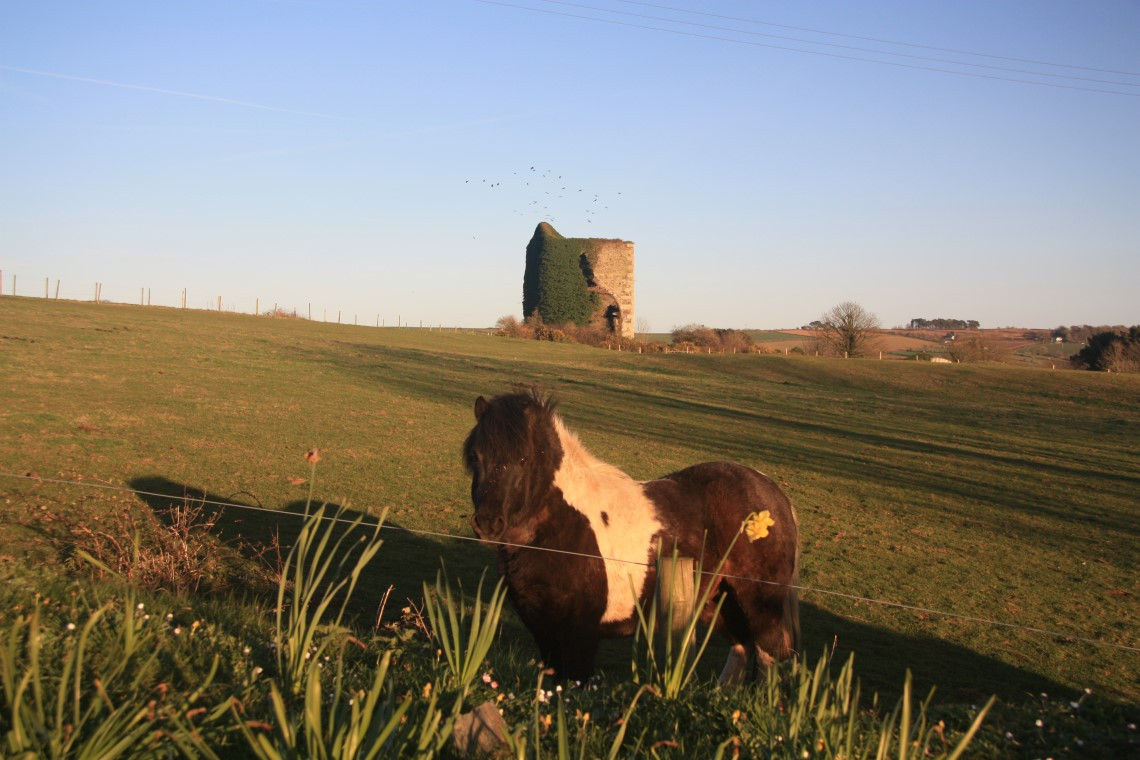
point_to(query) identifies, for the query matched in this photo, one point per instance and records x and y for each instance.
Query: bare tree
(848, 329)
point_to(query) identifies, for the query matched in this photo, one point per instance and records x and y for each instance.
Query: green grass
(992, 491)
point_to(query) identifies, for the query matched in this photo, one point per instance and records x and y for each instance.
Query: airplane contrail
(163, 91)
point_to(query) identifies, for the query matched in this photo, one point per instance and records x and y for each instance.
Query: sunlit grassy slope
(991, 491)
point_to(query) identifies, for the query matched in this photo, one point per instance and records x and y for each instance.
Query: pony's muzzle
(498, 525)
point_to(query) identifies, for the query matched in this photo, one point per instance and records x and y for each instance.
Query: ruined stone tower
(580, 280)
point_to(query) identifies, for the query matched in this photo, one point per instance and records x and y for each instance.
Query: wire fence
(802, 589)
(216, 303)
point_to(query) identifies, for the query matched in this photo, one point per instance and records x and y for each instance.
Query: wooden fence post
(257, 307)
(676, 596)
(46, 281)
(57, 290)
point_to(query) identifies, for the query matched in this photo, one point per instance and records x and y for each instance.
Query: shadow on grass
(408, 559)
(882, 658)
(264, 536)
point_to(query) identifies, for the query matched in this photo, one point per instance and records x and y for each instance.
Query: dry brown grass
(176, 551)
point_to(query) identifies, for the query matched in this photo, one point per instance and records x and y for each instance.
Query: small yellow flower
(756, 525)
(427, 689)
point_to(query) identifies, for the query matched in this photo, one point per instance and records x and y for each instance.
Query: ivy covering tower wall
(579, 280)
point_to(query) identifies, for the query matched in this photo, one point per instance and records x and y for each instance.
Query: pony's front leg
(579, 651)
(568, 650)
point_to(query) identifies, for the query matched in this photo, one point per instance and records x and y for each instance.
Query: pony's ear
(480, 407)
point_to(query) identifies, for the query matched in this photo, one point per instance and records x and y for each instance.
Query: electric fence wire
(897, 64)
(438, 534)
(880, 40)
(840, 46)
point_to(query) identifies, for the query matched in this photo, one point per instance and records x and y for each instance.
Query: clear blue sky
(335, 153)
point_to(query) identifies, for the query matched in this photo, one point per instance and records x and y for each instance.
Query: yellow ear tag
(756, 525)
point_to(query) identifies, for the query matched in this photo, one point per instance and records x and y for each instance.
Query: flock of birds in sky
(542, 194)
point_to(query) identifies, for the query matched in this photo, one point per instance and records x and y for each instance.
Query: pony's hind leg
(736, 666)
(757, 626)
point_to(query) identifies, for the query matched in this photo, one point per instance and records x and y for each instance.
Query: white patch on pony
(735, 667)
(592, 487)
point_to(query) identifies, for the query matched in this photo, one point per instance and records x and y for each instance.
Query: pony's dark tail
(792, 609)
(792, 599)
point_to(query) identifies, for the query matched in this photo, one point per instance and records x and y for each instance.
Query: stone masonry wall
(613, 272)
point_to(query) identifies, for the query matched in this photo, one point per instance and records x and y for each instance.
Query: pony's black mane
(504, 426)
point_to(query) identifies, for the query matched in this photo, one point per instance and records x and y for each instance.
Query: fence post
(676, 596)
(310, 312)
(148, 296)
(256, 307)
(219, 303)
(142, 296)
(46, 280)
(57, 290)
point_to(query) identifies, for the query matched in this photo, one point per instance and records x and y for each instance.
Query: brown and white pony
(534, 486)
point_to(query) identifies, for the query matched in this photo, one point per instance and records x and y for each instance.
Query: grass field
(995, 492)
